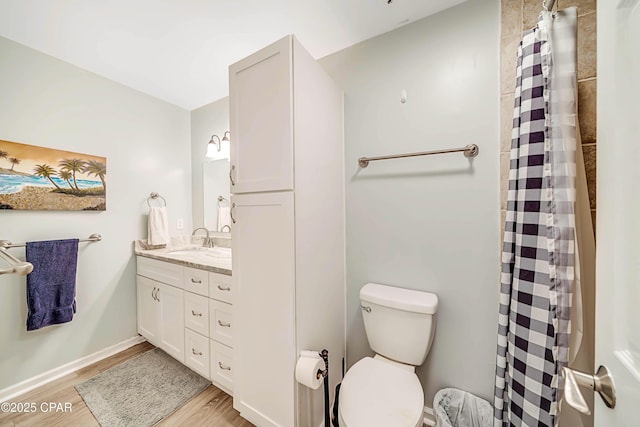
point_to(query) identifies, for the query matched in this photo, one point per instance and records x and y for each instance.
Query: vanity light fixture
(218, 149)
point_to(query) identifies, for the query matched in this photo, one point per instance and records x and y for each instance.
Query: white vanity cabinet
(160, 305)
(287, 163)
(176, 313)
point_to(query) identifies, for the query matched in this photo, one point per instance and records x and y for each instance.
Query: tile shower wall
(521, 15)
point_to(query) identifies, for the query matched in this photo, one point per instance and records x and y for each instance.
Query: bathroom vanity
(184, 302)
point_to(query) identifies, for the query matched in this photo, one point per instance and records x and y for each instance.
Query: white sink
(200, 251)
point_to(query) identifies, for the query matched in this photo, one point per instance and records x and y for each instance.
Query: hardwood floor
(212, 407)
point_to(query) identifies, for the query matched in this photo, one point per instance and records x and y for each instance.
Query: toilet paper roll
(307, 371)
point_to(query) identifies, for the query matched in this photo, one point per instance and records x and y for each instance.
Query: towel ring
(154, 196)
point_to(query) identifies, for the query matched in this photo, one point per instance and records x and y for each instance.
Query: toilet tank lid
(400, 298)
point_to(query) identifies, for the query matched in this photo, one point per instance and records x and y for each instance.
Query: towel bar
(470, 150)
(5, 244)
(23, 267)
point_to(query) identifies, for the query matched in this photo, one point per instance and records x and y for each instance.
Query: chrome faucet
(208, 241)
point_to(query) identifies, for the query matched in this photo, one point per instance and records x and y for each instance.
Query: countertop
(217, 259)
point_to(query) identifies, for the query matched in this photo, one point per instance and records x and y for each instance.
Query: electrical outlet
(180, 224)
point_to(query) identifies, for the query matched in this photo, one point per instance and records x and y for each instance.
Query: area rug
(141, 391)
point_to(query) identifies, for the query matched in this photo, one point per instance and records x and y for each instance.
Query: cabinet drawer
(161, 271)
(196, 281)
(222, 365)
(221, 319)
(220, 287)
(196, 313)
(197, 355)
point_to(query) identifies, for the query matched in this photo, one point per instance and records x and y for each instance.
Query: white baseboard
(46, 377)
(429, 417)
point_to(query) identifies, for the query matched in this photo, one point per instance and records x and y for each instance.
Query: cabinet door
(171, 303)
(260, 101)
(263, 308)
(148, 309)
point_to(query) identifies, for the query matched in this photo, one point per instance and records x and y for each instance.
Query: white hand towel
(224, 218)
(158, 226)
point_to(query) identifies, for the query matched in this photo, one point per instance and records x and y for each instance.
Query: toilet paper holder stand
(324, 354)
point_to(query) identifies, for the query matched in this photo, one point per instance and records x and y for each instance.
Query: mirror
(215, 176)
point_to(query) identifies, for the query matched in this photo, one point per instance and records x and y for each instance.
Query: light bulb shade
(212, 150)
(225, 149)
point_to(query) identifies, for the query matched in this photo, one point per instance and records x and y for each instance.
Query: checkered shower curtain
(538, 252)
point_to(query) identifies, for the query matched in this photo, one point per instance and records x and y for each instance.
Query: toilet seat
(375, 393)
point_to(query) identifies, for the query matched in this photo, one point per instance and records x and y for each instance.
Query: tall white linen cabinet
(287, 185)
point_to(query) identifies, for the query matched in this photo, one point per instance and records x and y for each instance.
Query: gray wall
(428, 223)
(205, 121)
(50, 103)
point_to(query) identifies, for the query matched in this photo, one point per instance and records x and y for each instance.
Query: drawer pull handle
(153, 293)
(158, 295)
(197, 353)
(224, 367)
(224, 288)
(224, 324)
(194, 313)
(195, 281)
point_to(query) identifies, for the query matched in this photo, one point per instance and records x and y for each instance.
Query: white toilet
(384, 391)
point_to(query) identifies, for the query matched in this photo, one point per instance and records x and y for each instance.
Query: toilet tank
(400, 323)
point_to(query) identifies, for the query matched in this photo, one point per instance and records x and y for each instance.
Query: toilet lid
(376, 393)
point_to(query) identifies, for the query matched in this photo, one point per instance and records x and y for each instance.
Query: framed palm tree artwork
(40, 178)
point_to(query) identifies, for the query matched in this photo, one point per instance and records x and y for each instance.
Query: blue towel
(51, 286)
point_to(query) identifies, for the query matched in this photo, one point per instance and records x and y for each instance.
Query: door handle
(602, 382)
(233, 205)
(233, 167)
(153, 293)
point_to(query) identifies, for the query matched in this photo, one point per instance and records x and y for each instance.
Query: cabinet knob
(197, 353)
(224, 288)
(224, 324)
(194, 313)
(224, 367)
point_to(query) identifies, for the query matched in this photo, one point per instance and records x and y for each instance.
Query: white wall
(428, 223)
(50, 103)
(207, 120)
